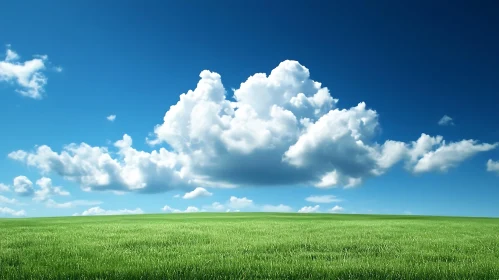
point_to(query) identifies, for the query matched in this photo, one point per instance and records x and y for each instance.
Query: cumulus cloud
(23, 186)
(446, 120)
(493, 166)
(278, 129)
(189, 209)
(336, 209)
(197, 192)
(71, 204)
(309, 209)
(95, 211)
(12, 212)
(27, 75)
(4, 188)
(111, 118)
(94, 168)
(47, 190)
(322, 199)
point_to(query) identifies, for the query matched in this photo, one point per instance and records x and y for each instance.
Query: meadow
(249, 246)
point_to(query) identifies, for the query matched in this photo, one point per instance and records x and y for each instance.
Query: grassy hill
(249, 246)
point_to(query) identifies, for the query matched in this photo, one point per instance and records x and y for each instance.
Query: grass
(249, 246)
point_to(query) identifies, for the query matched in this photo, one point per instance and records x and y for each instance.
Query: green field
(249, 246)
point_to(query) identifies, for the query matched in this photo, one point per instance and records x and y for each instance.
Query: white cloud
(197, 192)
(493, 166)
(4, 188)
(71, 204)
(47, 190)
(446, 120)
(94, 168)
(12, 212)
(322, 199)
(23, 186)
(239, 203)
(94, 211)
(309, 209)
(446, 156)
(276, 208)
(216, 206)
(11, 55)
(336, 209)
(6, 200)
(111, 118)
(281, 129)
(189, 209)
(27, 75)
(58, 69)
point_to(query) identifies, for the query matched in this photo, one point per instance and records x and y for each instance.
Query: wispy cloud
(96, 211)
(322, 199)
(446, 120)
(111, 118)
(71, 204)
(12, 212)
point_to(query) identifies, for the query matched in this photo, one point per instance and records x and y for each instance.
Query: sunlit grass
(249, 246)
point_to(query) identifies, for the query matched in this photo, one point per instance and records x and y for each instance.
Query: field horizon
(257, 213)
(248, 245)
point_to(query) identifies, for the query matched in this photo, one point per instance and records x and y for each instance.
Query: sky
(374, 107)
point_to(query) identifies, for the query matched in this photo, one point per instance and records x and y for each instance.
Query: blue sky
(367, 139)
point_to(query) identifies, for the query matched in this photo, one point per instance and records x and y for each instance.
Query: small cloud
(176, 196)
(47, 190)
(446, 120)
(96, 211)
(23, 186)
(58, 69)
(322, 199)
(493, 166)
(276, 208)
(111, 118)
(4, 188)
(336, 209)
(27, 75)
(198, 192)
(238, 203)
(189, 209)
(309, 209)
(11, 55)
(407, 213)
(12, 212)
(217, 206)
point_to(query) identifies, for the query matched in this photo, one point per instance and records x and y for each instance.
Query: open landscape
(249, 246)
(249, 140)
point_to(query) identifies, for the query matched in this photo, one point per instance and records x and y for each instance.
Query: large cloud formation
(278, 129)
